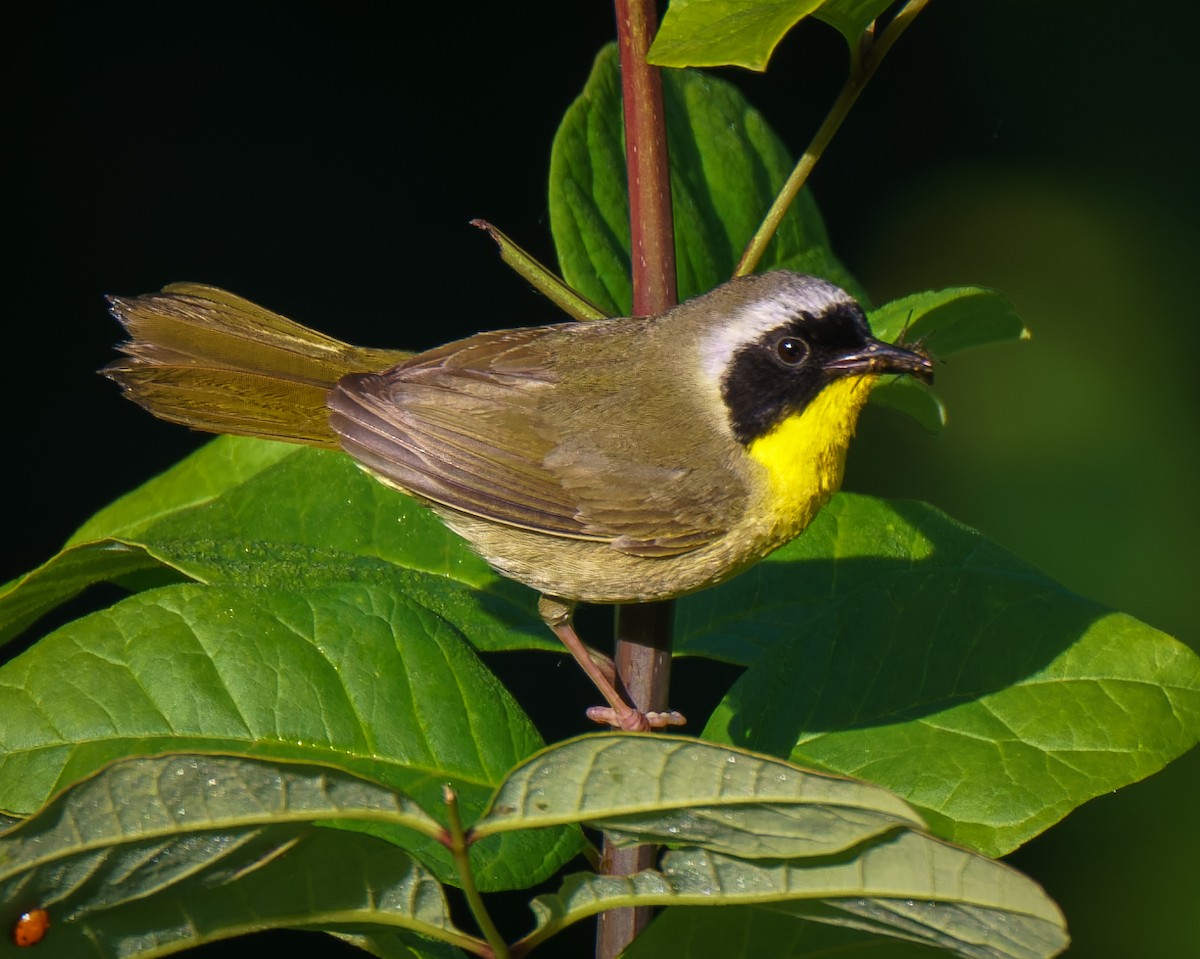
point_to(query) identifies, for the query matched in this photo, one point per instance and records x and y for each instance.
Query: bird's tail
(205, 358)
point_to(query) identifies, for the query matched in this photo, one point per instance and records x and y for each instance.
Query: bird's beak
(878, 357)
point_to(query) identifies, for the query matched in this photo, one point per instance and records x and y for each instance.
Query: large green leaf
(726, 167)
(670, 789)
(153, 855)
(249, 512)
(906, 885)
(351, 675)
(894, 645)
(217, 468)
(744, 33)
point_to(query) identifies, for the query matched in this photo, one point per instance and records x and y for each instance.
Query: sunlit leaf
(744, 33)
(351, 675)
(892, 644)
(714, 33)
(247, 512)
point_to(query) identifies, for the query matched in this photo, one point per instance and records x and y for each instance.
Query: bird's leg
(557, 613)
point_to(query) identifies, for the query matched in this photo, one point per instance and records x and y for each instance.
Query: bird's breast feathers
(804, 456)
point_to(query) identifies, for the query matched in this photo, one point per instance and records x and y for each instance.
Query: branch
(643, 648)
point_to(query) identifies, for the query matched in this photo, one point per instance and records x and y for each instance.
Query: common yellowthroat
(613, 461)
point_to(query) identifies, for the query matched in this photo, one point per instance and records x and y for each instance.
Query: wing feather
(477, 427)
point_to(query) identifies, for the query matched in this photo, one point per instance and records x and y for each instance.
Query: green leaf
(154, 855)
(905, 395)
(671, 789)
(351, 675)
(906, 885)
(714, 33)
(540, 277)
(400, 945)
(943, 322)
(891, 644)
(247, 512)
(215, 469)
(24, 600)
(302, 496)
(851, 17)
(744, 33)
(693, 932)
(949, 321)
(726, 167)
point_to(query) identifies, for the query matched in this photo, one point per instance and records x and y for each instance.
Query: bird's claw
(631, 720)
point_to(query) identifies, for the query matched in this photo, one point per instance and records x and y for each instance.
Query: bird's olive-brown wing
(528, 428)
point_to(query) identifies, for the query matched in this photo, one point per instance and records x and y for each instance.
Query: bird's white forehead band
(760, 316)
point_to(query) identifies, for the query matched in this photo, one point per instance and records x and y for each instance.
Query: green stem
(458, 847)
(862, 68)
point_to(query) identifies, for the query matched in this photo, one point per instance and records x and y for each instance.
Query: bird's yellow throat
(805, 455)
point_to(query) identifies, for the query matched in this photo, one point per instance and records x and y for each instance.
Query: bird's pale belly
(595, 572)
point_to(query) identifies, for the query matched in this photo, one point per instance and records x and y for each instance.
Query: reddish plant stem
(643, 649)
(651, 228)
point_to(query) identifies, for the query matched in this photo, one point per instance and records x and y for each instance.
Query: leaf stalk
(459, 846)
(864, 62)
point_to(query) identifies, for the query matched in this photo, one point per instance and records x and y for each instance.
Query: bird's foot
(634, 721)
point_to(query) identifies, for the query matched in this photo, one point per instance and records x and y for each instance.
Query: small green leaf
(351, 675)
(744, 33)
(539, 276)
(946, 322)
(941, 322)
(906, 885)
(154, 855)
(726, 167)
(889, 639)
(851, 17)
(905, 395)
(714, 33)
(676, 790)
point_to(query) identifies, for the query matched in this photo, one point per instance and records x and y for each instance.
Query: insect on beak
(878, 357)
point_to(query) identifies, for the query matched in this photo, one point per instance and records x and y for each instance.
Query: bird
(622, 460)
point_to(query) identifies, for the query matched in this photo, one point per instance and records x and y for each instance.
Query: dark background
(324, 160)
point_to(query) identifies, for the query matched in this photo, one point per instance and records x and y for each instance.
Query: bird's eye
(791, 350)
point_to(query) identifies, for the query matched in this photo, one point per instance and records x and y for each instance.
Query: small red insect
(30, 929)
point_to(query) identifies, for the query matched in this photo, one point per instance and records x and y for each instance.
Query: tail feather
(211, 360)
